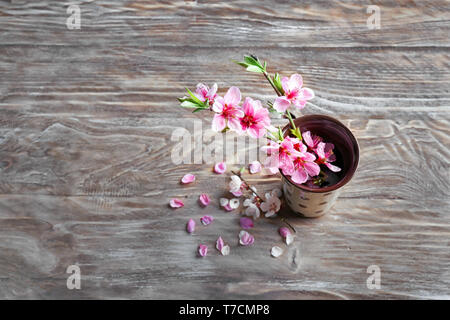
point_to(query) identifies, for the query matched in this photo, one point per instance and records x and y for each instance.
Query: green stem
(271, 83)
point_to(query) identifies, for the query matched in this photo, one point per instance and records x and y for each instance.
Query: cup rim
(352, 169)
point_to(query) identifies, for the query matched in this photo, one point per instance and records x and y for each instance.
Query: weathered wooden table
(86, 117)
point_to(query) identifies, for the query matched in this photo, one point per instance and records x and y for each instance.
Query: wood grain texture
(86, 118)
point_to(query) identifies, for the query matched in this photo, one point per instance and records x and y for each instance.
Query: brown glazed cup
(314, 202)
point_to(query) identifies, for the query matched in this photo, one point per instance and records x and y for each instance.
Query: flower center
(247, 121)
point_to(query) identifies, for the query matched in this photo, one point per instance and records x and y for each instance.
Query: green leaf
(189, 104)
(252, 61)
(254, 69)
(296, 132)
(277, 83)
(194, 98)
(198, 109)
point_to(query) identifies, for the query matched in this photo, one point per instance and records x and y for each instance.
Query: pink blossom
(280, 155)
(255, 119)
(204, 199)
(176, 203)
(293, 94)
(188, 178)
(304, 166)
(228, 113)
(190, 226)
(229, 204)
(236, 185)
(272, 204)
(206, 220)
(312, 141)
(325, 155)
(202, 250)
(255, 167)
(246, 238)
(203, 92)
(246, 223)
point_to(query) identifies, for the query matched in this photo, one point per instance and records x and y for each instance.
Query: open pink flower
(325, 155)
(203, 92)
(188, 178)
(255, 119)
(228, 113)
(304, 167)
(293, 94)
(246, 238)
(281, 155)
(202, 250)
(204, 200)
(206, 220)
(176, 203)
(312, 141)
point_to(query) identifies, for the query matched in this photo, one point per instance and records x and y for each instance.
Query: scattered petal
(237, 193)
(246, 238)
(246, 223)
(206, 220)
(219, 244)
(188, 178)
(276, 252)
(228, 207)
(202, 250)
(176, 203)
(220, 167)
(224, 201)
(284, 232)
(255, 167)
(190, 227)
(289, 239)
(225, 250)
(204, 199)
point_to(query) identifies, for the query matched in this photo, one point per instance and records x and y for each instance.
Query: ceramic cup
(315, 202)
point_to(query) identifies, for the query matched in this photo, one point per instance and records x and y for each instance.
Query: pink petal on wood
(206, 220)
(190, 227)
(246, 223)
(219, 244)
(188, 178)
(220, 167)
(255, 167)
(176, 203)
(202, 250)
(204, 199)
(284, 232)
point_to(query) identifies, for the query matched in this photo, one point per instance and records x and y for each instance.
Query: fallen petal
(246, 238)
(255, 167)
(276, 252)
(220, 167)
(246, 223)
(224, 201)
(220, 244)
(234, 203)
(188, 178)
(176, 203)
(225, 250)
(190, 227)
(206, 220)
(204, 199)
(228, 207)
(289, 239)
(284, 232)
(237, 193)
(202, 250)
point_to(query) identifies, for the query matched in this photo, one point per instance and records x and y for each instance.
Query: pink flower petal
(206, 220)
(204, 199)
(225, 250)
(190, 226)
(228, 207)
(220, 167)
(255, 167)
(237, 193)
(188, 178)
(220, 244)
(176, 203)
(202, 250)
(246, 238)
(284, 232)
(281, 104)
(246, 223)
